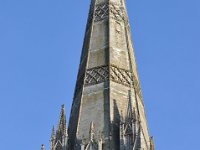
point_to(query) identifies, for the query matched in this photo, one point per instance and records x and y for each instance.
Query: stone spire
(108, 86)
(107, 74)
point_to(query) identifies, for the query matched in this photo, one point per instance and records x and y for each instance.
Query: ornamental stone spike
(53, 133)
(129, 107)
(53, 138)
(62, 122)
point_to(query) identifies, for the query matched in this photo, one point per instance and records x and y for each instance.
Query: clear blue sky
(40, 45)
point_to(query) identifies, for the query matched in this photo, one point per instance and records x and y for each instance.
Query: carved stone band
(103, 73)
(101, 12)
(97, 75)
(104, 9)
(121, 76)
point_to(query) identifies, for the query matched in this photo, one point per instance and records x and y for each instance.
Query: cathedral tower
(108, 110)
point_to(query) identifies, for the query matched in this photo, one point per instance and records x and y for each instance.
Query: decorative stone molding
(97, 75)
(103, 73)
(102, 11)
(120, 76)
(116, 12)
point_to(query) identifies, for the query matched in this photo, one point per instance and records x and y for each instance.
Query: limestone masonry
(108, 109)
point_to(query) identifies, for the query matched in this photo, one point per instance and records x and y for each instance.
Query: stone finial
(42, 148)
(62, 122)
(53, 133)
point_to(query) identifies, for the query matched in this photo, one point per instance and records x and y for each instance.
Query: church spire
(107, 73)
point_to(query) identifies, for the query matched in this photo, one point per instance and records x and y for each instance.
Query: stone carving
(101, 74)
(116, 12)
(120, 76)
(97, 75)
(103, 10)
